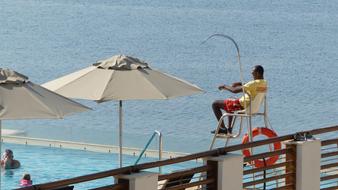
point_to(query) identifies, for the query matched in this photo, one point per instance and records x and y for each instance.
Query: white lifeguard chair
(257, 107)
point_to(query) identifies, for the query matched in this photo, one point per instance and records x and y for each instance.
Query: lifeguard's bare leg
(217, 107)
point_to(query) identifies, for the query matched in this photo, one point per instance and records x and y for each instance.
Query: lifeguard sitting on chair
(231, 105)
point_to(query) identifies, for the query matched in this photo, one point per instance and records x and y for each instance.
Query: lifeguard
(259, 84)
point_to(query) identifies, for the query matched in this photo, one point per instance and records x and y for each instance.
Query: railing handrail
(148, 143)
(136, 168)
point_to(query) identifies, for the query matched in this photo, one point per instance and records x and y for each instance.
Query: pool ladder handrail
(160, 147)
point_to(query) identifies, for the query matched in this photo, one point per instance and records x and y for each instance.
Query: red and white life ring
(276, 146)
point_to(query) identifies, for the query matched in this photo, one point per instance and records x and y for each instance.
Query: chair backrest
(256, 103)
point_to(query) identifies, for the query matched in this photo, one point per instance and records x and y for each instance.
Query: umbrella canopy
(121, 78)
(22, 99)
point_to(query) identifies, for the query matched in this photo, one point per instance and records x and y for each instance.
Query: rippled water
(296, 42)
(46, 164)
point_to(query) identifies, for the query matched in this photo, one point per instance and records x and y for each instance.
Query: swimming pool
(47, 164)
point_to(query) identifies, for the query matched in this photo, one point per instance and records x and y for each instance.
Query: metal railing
(329, 164)
(160, 147)
(185, 178)
(281, 173)
(271, 176)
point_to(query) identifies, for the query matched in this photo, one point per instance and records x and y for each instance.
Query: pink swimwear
(25, 182)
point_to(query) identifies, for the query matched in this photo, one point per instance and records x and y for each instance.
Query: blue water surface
(46, 164)
(295, 41)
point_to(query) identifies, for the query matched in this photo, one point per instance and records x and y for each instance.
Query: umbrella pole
(120, 131)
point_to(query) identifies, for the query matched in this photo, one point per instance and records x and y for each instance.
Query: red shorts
(231, 105)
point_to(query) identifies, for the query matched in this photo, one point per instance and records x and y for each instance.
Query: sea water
(295, 41)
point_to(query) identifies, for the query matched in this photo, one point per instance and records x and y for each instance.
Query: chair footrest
(224, 136)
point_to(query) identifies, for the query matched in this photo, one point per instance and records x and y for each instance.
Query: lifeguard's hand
(222, 87)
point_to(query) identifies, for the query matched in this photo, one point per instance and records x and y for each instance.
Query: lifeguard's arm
(236, 84)
(236, 89)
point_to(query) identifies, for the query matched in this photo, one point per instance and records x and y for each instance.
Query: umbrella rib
(163, 95)
(70, 100)
(42, 102)
(180, 80)
(59, 114)
(105, 87)
(72, 81)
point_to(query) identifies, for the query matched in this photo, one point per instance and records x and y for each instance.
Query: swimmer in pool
(8, 161)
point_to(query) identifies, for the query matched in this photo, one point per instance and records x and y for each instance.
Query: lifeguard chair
(257, 107)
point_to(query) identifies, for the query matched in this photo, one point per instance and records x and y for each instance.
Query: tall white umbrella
(121, 78)
(22, 99)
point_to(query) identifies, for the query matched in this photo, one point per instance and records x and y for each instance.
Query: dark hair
(26, 177)
(8, 152)
(259, 69)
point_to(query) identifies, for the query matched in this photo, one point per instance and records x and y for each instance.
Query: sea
(296, 41)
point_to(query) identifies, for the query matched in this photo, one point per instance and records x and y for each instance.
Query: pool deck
(12, 132)
(86, 146)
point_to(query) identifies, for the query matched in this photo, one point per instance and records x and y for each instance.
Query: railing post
(139, 181)
(228, 171)
(308, 154)
(291, 164)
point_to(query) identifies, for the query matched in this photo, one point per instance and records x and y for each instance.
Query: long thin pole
(120, 131)
(160, 149)
(238, 54)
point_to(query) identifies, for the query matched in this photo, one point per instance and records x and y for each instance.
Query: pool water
(46, 164)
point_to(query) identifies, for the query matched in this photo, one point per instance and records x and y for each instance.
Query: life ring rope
(276, 146)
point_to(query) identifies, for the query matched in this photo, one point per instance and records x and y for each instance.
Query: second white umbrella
(121, 78)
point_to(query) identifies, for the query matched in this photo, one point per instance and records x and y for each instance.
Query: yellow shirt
(252, 88)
